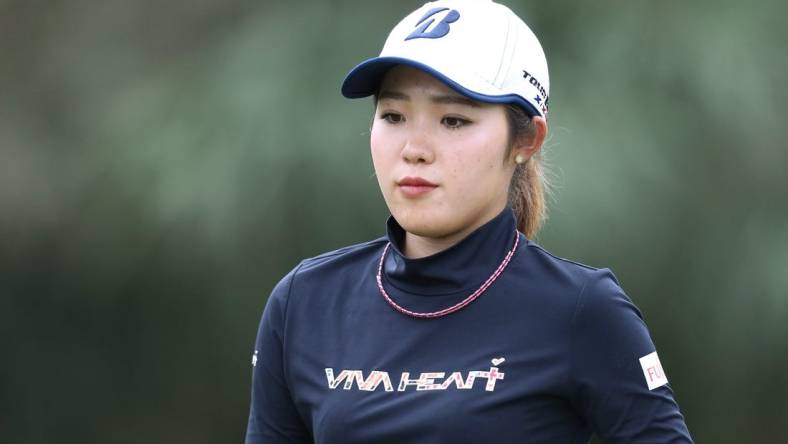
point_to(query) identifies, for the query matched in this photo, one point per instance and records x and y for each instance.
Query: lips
(415, 182)
(412, 186)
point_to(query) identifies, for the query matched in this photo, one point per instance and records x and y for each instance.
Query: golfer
(456, 327)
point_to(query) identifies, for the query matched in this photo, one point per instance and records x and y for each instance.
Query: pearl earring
(519, 159)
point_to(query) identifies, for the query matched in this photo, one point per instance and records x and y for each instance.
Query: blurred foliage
(162, 165)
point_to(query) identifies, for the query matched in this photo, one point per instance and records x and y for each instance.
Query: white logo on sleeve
(652, 370)
(254, 359)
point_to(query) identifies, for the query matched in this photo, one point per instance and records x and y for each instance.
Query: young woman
(456, 327)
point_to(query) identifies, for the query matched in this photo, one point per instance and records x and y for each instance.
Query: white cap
(479, 48)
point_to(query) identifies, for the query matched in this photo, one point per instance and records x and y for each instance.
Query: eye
(454, 122)
(392, 118)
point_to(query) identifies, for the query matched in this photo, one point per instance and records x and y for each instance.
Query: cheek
(477, 165)
(381, 149)
(375, 148)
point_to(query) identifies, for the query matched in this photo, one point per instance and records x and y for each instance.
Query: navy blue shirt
(552, 351)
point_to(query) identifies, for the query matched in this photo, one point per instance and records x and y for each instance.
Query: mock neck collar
(463, 266)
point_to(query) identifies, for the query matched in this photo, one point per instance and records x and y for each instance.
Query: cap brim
(364, 80)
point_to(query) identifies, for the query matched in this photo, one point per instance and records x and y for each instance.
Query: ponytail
(529, 185)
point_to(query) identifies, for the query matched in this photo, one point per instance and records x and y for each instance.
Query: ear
(531, 144)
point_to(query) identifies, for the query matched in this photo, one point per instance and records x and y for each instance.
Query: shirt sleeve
(610, 382)
(273, 417)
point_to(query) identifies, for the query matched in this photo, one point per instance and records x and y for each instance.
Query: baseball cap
(479, 48)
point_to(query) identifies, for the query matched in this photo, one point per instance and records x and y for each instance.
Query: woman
(456, 327)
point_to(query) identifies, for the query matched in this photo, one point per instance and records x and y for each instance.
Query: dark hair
(528, 187)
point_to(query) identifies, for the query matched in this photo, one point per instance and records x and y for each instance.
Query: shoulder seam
(284, 319)
(563, 259)
(580, 296)
(340, 251)
(286, 372)
(290, 286)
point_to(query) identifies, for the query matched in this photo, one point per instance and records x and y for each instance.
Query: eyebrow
(435, 98)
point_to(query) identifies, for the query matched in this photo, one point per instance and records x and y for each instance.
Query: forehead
(405, 80)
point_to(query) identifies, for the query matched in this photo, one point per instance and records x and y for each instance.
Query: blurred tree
(162, 166)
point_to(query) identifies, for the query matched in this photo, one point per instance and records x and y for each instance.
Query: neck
(416, 246)
(422, 246)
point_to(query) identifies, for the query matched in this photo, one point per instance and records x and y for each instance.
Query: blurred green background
(163, 164)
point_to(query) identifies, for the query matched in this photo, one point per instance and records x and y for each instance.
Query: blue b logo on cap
(441, 29)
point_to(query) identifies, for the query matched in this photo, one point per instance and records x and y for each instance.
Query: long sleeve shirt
(551, 352)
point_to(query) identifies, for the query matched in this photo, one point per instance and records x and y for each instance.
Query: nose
(418, 147)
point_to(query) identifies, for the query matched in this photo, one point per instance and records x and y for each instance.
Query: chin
(427, 222)
(425, 230)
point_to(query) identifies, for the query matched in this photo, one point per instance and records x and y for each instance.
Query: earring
(519, 159)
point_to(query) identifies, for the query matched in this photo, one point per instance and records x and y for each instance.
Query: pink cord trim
(455, 307)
